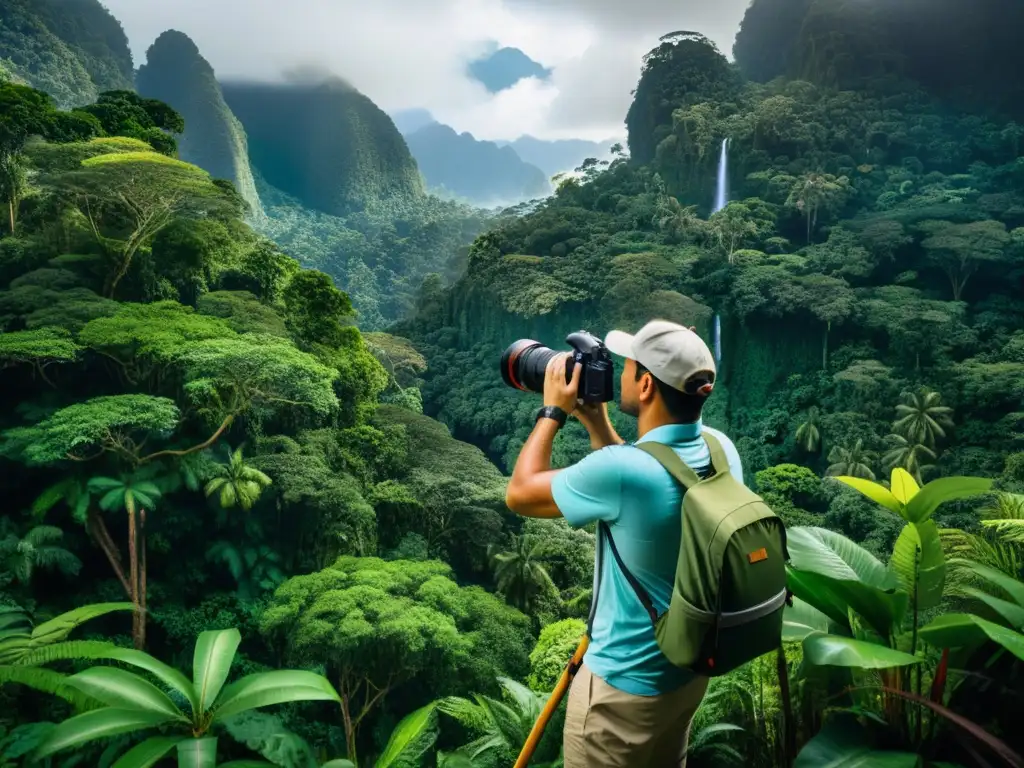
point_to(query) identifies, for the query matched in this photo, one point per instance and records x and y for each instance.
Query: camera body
(524, 363)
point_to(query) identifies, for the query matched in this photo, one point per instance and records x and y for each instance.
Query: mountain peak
(505, 67)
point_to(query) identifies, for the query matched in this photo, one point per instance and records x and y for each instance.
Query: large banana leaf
(964, 630)
(918, 562)
(801, 619)
(937, 492)
(1011, 613)
(98, 724)
(824, 650)
(215, 650)
(1013, 587)
(842, 744)
(119, 688)
(413, 736)
(148, 753)
(835, 575)
(278, 687)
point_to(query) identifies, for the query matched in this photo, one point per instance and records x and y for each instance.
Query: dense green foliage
(206, 435)
(71, 49)
(176, 73)
(326, 144)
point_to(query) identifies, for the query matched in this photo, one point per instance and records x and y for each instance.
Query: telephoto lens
(524, 364)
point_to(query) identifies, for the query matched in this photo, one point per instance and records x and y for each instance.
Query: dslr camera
(524, 363)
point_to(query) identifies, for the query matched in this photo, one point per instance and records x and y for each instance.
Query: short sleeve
(590, 490)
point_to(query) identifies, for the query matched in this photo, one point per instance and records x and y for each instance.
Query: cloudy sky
(413, 53)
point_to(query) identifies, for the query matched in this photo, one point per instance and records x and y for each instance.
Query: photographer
(628, 705)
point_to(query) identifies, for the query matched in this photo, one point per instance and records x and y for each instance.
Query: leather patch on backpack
(758, 555)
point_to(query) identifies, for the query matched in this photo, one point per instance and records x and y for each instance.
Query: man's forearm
(529, 489)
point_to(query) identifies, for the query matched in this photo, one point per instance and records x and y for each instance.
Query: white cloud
(413, 53)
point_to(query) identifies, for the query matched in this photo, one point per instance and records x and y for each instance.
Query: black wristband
(552, 412)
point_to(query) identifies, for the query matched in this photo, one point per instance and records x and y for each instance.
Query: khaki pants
(608, 728)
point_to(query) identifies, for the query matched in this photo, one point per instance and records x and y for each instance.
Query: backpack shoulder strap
(669, 459)
(718, 458)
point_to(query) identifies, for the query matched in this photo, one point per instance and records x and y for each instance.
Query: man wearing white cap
(628, 705)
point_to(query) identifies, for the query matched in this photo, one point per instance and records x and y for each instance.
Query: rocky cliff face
(325, 143)
(176, 73)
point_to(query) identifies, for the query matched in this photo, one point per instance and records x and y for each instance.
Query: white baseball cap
(672, 352)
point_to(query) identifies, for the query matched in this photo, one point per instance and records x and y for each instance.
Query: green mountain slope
(326, 144)
(177, 74)
(72, 49)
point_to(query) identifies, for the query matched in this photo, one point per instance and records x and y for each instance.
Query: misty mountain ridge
(480, 172)
(504, 67)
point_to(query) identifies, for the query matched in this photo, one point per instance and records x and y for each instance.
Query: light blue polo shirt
(640, 501)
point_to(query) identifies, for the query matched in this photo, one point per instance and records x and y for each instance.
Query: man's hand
(556, 391)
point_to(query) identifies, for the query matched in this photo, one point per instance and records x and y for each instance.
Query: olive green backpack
(730, 583)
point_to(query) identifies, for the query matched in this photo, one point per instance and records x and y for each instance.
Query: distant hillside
(478, 171)
(505, 67)
(72, 49)
(560, 155)
(326, 144)
(177, 74)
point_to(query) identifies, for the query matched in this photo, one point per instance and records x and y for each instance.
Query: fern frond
(73, 649)
(47, 681)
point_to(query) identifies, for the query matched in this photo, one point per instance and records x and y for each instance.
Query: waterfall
(722, 189)
(721, 200)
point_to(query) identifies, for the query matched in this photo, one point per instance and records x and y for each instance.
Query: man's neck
(657, 417)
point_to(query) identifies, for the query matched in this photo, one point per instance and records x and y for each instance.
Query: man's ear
(646, 388)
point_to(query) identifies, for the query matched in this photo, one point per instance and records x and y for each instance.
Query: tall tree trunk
(10, 206)
(133, 572)
(142, 579)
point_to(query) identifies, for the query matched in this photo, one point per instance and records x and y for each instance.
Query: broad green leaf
(904, 486)
(266, 688)
(877, 493)
(59, 627)
(882, 610)
(937, 492)
(833, 650)
(211, 663)
(257, 764)
(339, 763)
(198, 753)
(842, 744)
(408, 736)
(98, 724)
(831, 554)
(801, 619)
(959, 630)
(1013, 587)
(918, 562)
(167, 675)
(1012, 613)
(148, 753)
(119, 688)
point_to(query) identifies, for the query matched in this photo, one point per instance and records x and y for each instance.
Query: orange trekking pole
(553, 701)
